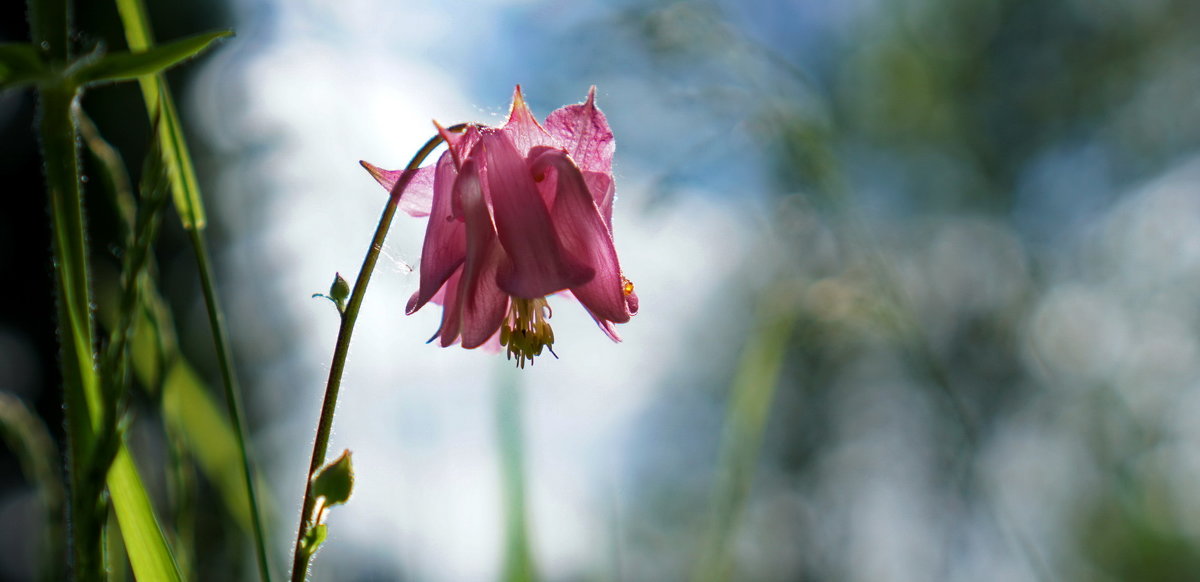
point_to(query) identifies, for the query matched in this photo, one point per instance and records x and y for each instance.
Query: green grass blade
(184, 186)
(187, 405)
(20, 65)
(190, 207)
(753, 391)
(123, 66)
(28, 437)
(191, 412)
(149, 555)
(519, 565)
(85, 408)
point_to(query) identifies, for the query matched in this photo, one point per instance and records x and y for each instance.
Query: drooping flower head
(518, 213)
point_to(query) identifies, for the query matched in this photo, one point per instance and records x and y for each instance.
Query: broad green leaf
(331, 486)
(148, 552)
(335, 481)
(20, 65)
(188, 406)
(314, 537)
(123, 66)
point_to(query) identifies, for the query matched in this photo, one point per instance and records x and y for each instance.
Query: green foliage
(331, 485)
(303, 552)
(313, 538)
(519, 565)
(184, 185)
(1126, 541)
(188, 408)
(339, 291)
(145, 543)
(28, 437)
(125, 66)
(96, 388)
(20, 65)
(335, 481)
(751, 397)
(190, 209)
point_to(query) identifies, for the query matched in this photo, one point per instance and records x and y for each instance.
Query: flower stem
(302, 556)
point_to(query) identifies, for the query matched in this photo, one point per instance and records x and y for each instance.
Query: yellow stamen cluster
(526, 329)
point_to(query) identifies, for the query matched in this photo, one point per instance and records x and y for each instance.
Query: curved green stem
(302, 556)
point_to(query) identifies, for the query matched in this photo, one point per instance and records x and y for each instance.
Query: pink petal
(451, 311)
(583, 130)
(416, 196)
(445, 238)
(603, 191)
(536, 265)
(600, 185)
(492, 345)
(522, 127)
(483, 304)
(584, 235)
(606, 326)
(485, 308)
(459, 143)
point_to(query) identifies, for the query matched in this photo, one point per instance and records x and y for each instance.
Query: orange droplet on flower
(626, 286)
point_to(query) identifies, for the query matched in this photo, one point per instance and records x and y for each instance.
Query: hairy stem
(302, 556)
(81, 393)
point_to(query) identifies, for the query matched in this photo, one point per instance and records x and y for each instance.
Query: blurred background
(919, 290)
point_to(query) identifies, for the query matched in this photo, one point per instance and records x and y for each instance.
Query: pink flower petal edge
(516, 214)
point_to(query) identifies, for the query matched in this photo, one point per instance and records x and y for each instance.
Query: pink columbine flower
(518, 213)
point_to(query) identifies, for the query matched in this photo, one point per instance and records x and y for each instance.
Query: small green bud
(339, 290)
(335, 481)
